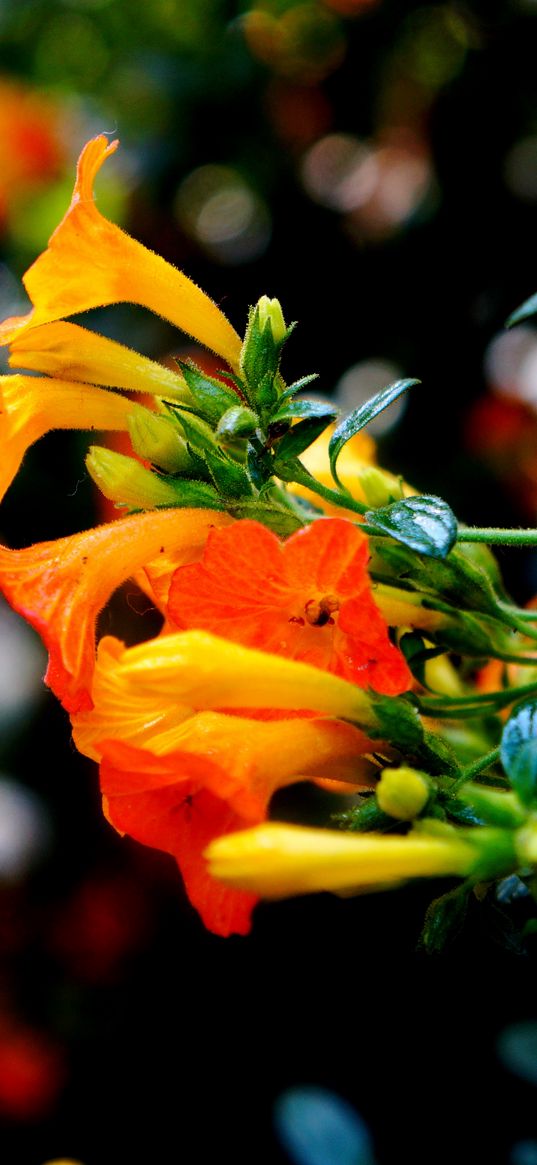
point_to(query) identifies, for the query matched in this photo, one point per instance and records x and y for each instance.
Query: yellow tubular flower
(123, 712)
(116, 269)
(203, 671)
(31, 406)
(67, 350)
(281, 860)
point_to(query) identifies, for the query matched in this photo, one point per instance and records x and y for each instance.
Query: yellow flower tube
(205, 671)
(31, 406)
(281, 860)
(68, 350)
(90, 262)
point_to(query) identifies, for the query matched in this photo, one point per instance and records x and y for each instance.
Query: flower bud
(124, 481)
(270, 312)
(402, 793)
(157, 439)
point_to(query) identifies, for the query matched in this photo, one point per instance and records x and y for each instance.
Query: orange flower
(166, 802)
(219, 779)
(31, 406)
(176, 773)
(90, 262)
(61, 586)
(308, 598)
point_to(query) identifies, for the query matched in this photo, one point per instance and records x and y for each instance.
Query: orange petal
(90, 262)
(164, 802)
(61, 586)
(254, 589)
(31, 406)
(67, 350)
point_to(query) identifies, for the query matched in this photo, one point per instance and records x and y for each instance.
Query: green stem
(455, 707)
(479, 766)
(297, 473)
(496, 536)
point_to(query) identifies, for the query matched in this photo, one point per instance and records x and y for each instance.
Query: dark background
(143, 1038)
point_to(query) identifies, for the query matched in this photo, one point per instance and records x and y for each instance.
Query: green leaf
(297, 386)
(300, 437)
(425, 523)
(526, 309)
(298, 409)
(230, 478)
(444, 920)
(518, 751)
(211, 396)
(197, 432)
(260, 463)
(197, 494)
(361, 417)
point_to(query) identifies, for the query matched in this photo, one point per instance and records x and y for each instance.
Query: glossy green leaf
(362, 416)
(300, 437)
(300, 409)
(519, 751)
(424, 523)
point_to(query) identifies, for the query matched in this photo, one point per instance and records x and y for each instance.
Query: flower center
(319, 612)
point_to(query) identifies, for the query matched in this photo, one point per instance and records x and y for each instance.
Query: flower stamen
(319, 612)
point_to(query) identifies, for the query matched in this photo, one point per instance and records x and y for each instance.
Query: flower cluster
(309, 602)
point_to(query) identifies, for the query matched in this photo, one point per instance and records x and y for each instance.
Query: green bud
(270, 313)
(380, 489)
(402, 793)
(124, 481)
(157, 438)
(238, 421)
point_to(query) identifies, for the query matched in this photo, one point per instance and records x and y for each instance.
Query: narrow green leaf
(211, 396)
(299, 409)
(526, 309)
(297, 386)
(361, 417)
(424, 523)
(300, 437)
(518, 751)
(230, 478)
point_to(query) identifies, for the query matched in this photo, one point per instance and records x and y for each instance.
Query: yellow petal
(279, 860)
(204, 671)
(90, 262)
(74, 353)
(33, 405)
(278, 749)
